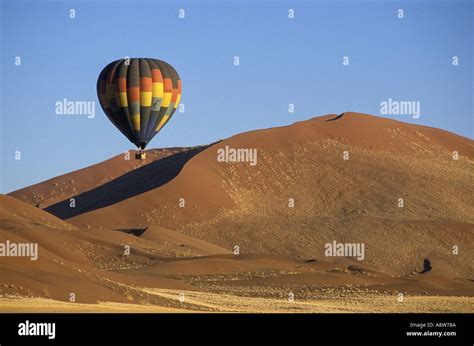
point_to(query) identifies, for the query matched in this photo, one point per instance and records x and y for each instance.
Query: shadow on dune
(336, 118)
(138, 181)
(137, 232)
(426, 266)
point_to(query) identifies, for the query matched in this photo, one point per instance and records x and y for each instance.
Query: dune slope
(360, 199)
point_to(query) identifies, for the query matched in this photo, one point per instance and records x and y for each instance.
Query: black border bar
(228, 329)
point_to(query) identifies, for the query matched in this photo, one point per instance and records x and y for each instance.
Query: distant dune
(189, 246)
(65, 186)
(87, 262)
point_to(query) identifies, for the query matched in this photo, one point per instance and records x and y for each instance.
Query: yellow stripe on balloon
(157, 89)
(123, 102)
(178, 98)
(145, 98)
(162, 122)
(166, 99)
(136, 122)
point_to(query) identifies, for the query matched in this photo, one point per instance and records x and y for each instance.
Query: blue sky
(282, 61)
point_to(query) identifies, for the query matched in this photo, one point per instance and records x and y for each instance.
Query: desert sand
(182, 255)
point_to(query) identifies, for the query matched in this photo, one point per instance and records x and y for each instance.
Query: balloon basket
(140, 155)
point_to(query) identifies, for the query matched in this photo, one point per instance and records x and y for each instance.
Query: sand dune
(230, 204)
(68, 185)
(88, 262)
(182, 212)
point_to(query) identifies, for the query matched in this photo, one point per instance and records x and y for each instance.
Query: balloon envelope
(139, 96)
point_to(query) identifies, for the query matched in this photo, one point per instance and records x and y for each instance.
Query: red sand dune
(354, 201)
(65, 186)
(229, 204)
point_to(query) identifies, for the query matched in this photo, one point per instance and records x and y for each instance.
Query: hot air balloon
(139, 96)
